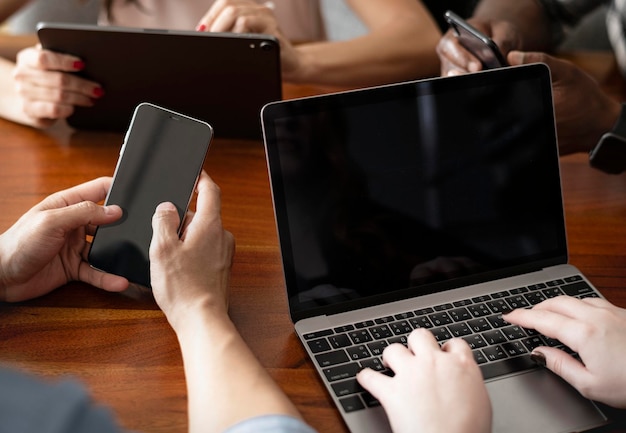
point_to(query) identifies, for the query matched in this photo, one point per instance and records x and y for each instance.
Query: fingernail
(538, 358)
(474, 67)
(78, 64)
(98, 92)
(201, 28)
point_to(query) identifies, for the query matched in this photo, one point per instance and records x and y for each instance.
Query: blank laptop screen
(416, 187)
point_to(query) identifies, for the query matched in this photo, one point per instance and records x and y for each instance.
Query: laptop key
(377, 347)
(459, 329)
(341, 372)
(332, 358)
(352, 403)
(575, 289)
(358, 352)
(380, 332)
(494, 337)
(475, 341)
(374, 363)
(494, 353)
(514, 348)
(318, 334)
(347, 387)
(339, 341)
(361, 336)
(319, 345)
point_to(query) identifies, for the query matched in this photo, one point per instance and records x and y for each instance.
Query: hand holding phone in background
(477, 43)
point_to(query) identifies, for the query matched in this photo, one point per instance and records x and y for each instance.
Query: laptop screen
(413, 188)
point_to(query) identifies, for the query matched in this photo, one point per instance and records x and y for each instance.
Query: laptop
(435, 204)
(221, 78)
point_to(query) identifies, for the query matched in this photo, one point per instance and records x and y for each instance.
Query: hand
(596, 330)
(47, 89)
(583, 111)
(192, 271)
(47, 246)
(456, 60)
(247, 16)
(429, 384)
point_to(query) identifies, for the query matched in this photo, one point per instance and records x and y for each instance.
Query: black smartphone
(476, 42)
(160, 160)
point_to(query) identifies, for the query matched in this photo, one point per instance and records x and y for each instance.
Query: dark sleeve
(29, 405)
(564, 14)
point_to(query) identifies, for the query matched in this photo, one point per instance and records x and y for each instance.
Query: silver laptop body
(435, 203)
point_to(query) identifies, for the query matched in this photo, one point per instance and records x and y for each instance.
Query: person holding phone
(399, 44)
(228, 389)
(588, 120)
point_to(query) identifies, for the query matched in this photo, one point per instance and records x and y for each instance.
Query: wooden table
(121, 346)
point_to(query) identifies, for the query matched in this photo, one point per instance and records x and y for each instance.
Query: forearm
(529, 16)
(10, 45)
(400, 46)
(226, 384)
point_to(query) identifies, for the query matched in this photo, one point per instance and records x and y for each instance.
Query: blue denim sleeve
(271, 424)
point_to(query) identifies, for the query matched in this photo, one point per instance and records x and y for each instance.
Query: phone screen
(476, 42)
(160, 160)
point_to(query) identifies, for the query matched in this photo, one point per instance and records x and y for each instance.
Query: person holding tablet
(399, 45)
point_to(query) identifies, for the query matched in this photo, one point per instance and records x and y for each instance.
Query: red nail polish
(98, 92)
(78, 64)
(201, 28)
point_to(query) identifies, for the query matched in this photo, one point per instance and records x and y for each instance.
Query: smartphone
(160, 160)
(476, 42)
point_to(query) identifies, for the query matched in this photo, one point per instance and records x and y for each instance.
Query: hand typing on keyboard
(592, 327)
(429, 381)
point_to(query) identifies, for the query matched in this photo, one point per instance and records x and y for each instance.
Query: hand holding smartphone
(476, 42)
(160, 160)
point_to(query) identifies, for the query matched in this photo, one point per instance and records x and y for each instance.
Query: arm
(595, 329)
(225, 382)
(400, 44)
(46, 247)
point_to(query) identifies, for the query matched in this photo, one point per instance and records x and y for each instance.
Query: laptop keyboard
(498, 347)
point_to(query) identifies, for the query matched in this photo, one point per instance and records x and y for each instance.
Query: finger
(458, 57)
(165, 222)
(420, 340)
(567, 306)
(375, 383)
(54, 85)
(395, 356)
(549, 323)
(564, 365)
(225, 21)
(82, 214)
(208, 202)
(35, 57)
(101, 280)
(459, 347)
(95, 191)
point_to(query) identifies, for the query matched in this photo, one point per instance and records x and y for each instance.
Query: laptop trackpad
(539, 401)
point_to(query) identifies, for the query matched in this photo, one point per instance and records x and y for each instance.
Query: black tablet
(221, 78)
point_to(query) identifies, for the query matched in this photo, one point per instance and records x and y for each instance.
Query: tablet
(221, 78)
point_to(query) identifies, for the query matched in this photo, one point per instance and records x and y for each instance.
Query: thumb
(516, 58)
(84, 213)
(165, 222)
(562, 364)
